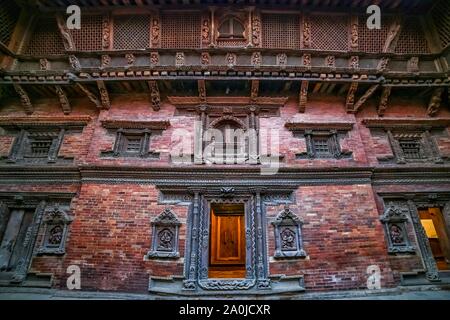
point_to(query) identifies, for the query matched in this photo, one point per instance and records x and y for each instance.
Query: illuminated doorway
(433, 223)
(227, 241)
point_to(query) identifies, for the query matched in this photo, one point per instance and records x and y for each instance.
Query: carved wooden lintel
(364, 98)
(393, 35)
(69, 44)
(104, 96)
(350, 101)
(202, 90)
(435, 101)
(226, 100)
(90, 95)
(154, 95)
(254, 91)
(63, 100)
(384, 100)
(24, 98)
(303, 96)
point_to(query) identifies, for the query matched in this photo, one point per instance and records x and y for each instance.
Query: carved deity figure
(55, 235)
(396, 234)
(287, 239)
(165, 237)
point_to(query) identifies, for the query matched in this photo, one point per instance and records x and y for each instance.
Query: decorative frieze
(165, 231)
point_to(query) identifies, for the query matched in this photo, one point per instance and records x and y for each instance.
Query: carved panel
(395, 220)
(56, 223)
(155, 34)
(288, 235)
(165, 230)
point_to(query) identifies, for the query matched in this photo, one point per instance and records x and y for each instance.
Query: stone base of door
(279, 284)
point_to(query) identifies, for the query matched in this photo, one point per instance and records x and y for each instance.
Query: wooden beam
(393, 35)
(435, 101)
(384, 100)
(63, 100)
(350, 102)
(91, 96)
(254, 91)
(155, 98)
(24, 98)
(202, 90)
(364, 98)
(104, 95)
(69, 44)
(303, 96)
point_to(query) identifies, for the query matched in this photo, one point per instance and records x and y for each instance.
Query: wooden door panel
(227, 239)
(9, 238)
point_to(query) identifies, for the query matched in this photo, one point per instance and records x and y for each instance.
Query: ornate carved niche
(322, 139)
(233, 28)
(165, 230)
(37, 142)
(132, 138)
(288, 235)
(56, 224)
(394, 220)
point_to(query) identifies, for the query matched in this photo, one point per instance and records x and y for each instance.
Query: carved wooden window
(165, 230)
(323, 144)
(231, 28)
(56, 223)
(132, 143)
(136, 25)
(180, 30)
(288, 235)
(9, 15)
(412, 38)
(395, 221)
(89, 37)
(46, 39)
(441, 19)
(32, 146)
(281, 31)
(413, 146)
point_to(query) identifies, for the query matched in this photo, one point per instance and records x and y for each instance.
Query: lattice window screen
(89, 37)
(329, 32)
(180, 30)
(9, 14)
(46, 38)
(281, 31)
(372, 40)
(131, 32)
(412, 38)
(441, 18)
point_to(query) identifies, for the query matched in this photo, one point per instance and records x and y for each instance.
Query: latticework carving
(9, 14)
(281, 31)
(441, 18)
(329, 33)
(180, 30)
(372, 40)
(138, 26)
(89, 37)
(412, 38)
(46, 39)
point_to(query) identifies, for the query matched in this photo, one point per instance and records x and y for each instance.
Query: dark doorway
(227, 241)
(433, 223)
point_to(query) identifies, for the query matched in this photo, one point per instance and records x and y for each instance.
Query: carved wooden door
(14, 242)
(227, 238)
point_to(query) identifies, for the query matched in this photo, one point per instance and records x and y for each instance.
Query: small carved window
(323, 144)
(231, 28)
(165, 229)
(288, 235)
(132, 143)
(412, 148)
(36, 146)
(394, 220)
(56, 222)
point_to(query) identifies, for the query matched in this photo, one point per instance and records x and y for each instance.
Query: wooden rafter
(435, 101)
(155, 97)
(303, 96)
(350, 101)
(104, 95)
(24, 98)
(364, 98)
(63, 100)
(91, 96)
(254, 92)
(384, 100)
(202, 90)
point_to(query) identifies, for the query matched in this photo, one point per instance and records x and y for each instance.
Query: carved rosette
(154, 59)
(227, 284)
